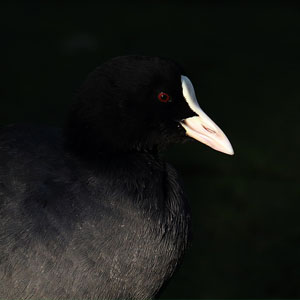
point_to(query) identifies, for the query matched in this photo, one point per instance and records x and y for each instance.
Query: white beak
(201, 127)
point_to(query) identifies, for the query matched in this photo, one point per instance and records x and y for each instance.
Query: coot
(92, 211)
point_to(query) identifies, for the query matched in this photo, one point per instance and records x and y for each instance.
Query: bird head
(139, 103)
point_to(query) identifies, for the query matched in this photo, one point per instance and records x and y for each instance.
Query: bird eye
(164, 97)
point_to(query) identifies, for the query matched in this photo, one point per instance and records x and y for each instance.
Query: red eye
(163, 97)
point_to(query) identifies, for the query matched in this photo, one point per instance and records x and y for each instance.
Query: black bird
(92, 211)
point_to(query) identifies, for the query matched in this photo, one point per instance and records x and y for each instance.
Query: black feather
(93, 212)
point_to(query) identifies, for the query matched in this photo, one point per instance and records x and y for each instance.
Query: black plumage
(92, 211)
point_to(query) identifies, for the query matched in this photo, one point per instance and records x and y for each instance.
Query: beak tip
(231, 153)
(230, 150)
(224, 147)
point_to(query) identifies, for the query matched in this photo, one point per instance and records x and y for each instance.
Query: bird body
(82, 230)
(93, 211)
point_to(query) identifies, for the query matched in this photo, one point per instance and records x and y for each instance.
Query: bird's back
(114, 228)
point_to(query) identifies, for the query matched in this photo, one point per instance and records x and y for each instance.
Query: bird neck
(89, 143)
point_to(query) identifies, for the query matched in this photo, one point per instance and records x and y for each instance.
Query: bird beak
(201, 127)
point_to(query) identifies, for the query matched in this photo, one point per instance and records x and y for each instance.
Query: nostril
(208, 129)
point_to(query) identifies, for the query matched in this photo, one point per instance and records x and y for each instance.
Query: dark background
(244, 63)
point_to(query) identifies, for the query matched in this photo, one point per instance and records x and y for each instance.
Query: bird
(92, 210)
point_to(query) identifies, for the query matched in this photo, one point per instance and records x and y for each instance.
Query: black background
(244, 63)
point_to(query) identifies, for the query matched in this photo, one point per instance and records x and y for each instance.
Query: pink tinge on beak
(201, 127)
(214, 138)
